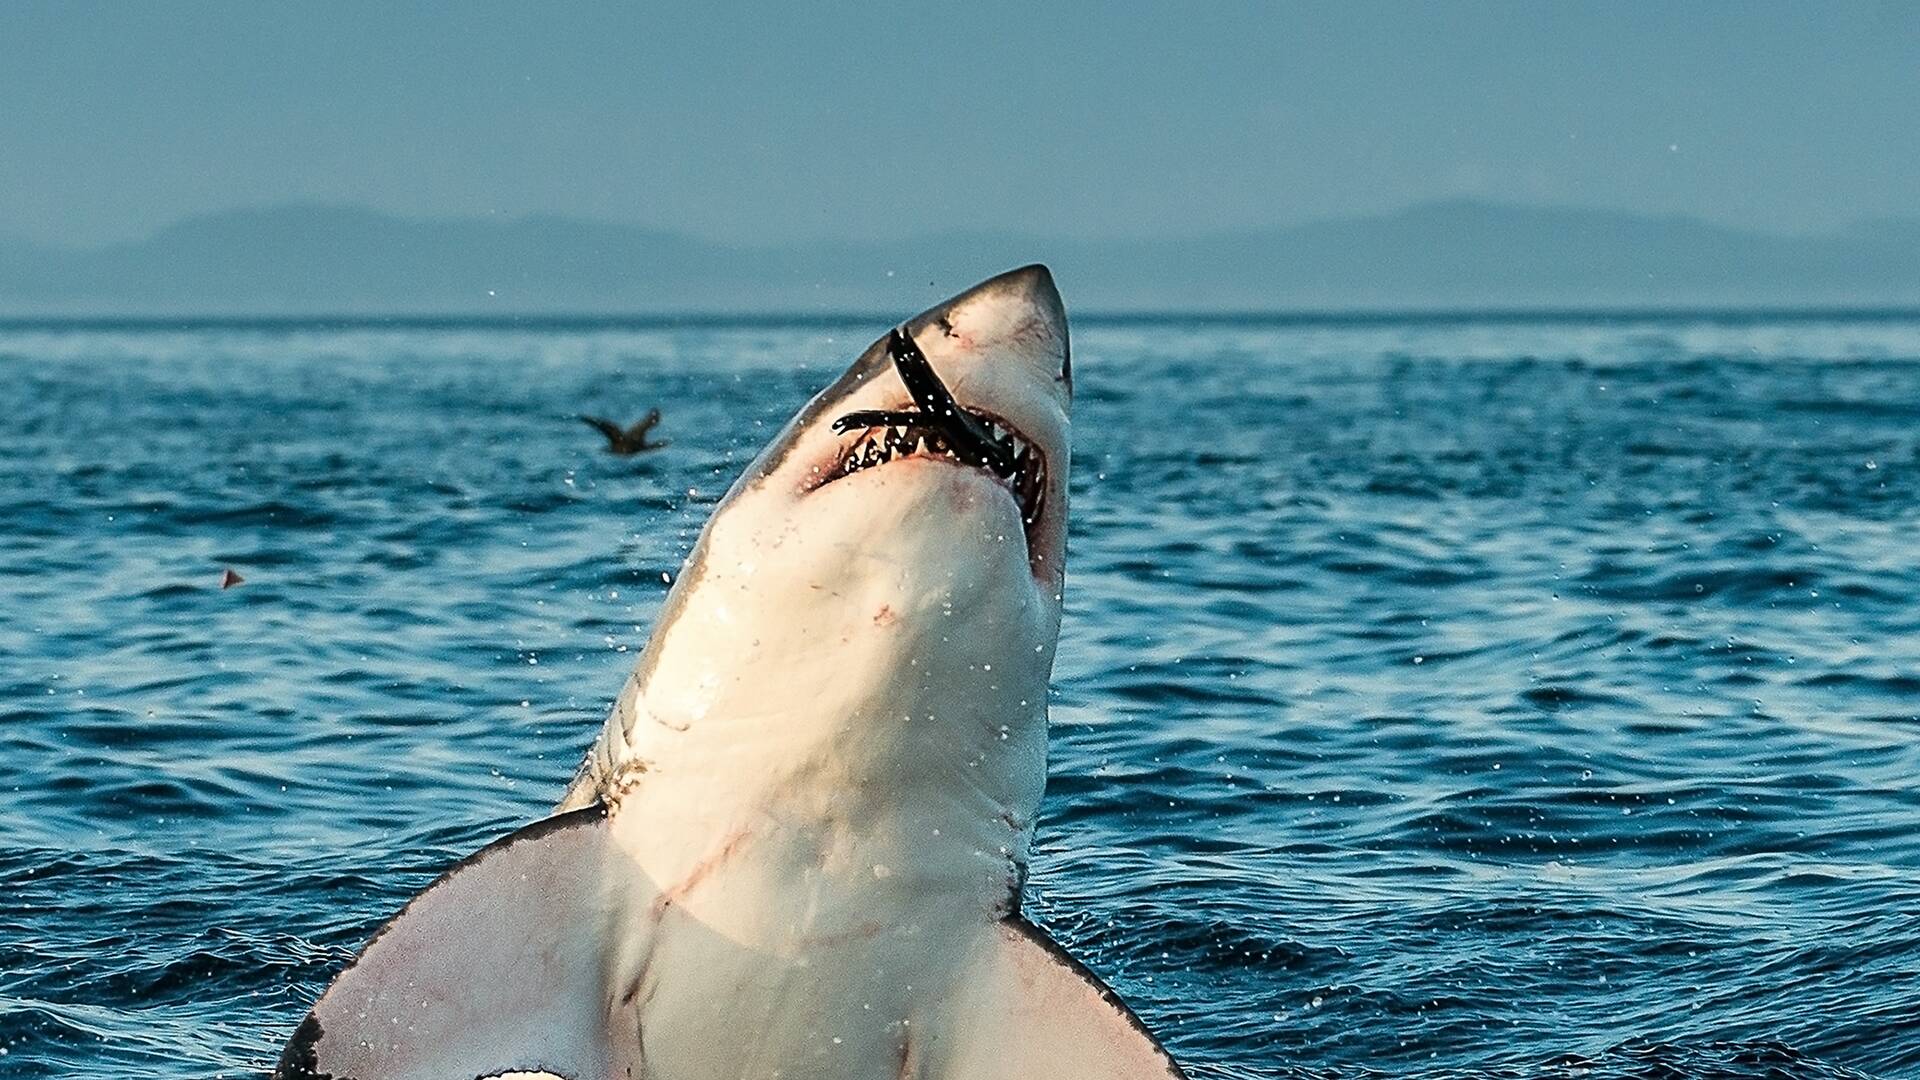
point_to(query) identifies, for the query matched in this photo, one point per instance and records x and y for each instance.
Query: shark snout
(979, 381)
(1014, 317)
(1031, 288)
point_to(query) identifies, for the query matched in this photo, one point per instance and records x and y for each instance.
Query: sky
(763, 123)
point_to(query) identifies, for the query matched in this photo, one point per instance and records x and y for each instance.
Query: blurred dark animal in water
(624, 441)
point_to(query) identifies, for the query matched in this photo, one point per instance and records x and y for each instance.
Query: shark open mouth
(941, 427)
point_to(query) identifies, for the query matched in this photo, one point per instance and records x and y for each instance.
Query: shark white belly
(798, 846)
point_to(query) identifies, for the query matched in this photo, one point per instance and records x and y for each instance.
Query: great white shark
(797, 847)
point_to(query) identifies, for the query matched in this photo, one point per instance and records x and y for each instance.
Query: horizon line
(563, 322)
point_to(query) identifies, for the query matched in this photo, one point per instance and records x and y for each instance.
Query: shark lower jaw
(1019, 468)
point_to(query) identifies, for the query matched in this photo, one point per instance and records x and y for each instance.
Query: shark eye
(945, 324)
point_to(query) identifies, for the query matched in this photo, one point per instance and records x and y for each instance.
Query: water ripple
(1448, 701)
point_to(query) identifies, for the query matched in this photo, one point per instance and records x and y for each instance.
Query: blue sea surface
(1461, 698)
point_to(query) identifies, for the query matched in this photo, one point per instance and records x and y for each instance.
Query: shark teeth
(1023, 468)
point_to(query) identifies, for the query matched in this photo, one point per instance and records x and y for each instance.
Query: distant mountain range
(327, 260)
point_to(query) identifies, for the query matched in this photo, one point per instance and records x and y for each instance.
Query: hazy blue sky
(1081, 119)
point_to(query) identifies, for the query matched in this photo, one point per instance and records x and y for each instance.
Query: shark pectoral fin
(494, 970)
(1028, 1009)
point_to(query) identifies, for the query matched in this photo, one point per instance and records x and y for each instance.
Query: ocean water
(1478, 698)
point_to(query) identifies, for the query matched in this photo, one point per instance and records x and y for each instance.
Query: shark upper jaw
(1001, 349)
(1022, 474)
